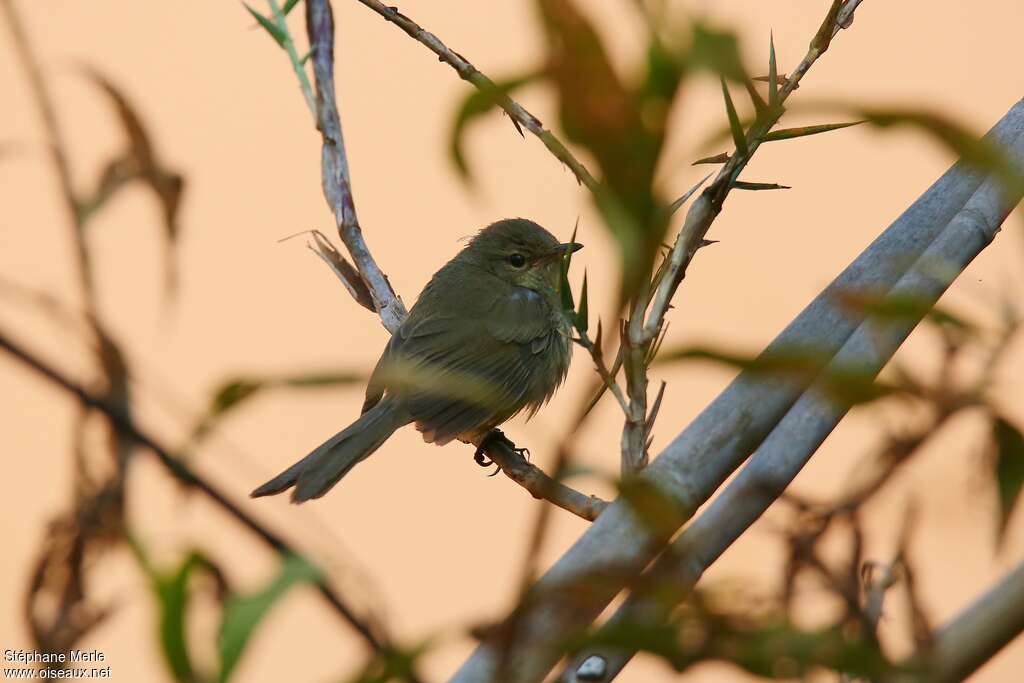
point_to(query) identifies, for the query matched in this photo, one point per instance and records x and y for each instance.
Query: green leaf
(717, 52)
(243, 613)
(847, 386)
(804, 131)
(903, 308)
(172, 594)
(1009, 469)
(234, 393)
(773, 74)
(742, 185)
(739, 138)
(476, 104)
(289, 6)
(972, 148)
(582, 315)
(277, 34)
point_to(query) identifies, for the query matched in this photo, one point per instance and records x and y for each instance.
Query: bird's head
(520, 252)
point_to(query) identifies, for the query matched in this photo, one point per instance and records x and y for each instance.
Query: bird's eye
(517, 260)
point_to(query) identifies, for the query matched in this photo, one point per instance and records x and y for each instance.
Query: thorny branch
(372, 280)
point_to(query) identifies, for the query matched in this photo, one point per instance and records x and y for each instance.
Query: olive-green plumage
(485, 340)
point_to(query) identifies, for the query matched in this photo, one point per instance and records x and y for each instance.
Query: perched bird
(485, 340)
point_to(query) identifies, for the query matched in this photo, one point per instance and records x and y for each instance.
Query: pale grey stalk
(619, 545)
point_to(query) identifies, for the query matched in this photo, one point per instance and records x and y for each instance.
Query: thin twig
(514, 466)
(470, 73)
(127, 428)
(707, 207)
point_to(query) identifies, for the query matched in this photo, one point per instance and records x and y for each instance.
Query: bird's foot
(496, 436)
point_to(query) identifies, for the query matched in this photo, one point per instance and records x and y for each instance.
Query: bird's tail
(314, 475)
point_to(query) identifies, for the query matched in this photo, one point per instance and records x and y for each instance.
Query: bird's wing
(466, 361)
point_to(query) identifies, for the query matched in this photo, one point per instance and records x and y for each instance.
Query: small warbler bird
(485, 340)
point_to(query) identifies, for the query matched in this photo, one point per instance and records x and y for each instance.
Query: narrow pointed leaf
(1009, 470)
(275, 33)
(243, 613)
(742, 185)
(716, 159)
(804, 131)
(739, 138)
(773, 74)
(289, 6)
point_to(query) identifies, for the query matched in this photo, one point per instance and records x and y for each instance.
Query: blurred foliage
(240, 613)
(1009, 469)
(766, 645)
(234, 393)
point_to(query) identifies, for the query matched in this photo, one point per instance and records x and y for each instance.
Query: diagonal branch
(470, 73)
(180, 471)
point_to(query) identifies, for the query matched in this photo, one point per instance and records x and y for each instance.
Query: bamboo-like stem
(957, 218)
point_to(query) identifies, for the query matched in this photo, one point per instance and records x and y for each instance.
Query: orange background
(419, 533)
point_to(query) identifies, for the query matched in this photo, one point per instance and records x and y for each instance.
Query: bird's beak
(560, 251)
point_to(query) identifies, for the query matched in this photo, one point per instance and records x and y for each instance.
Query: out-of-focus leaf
(1009, 469)
(233, 393)
(804, 131)
(655, 508)
(743, 185)
(390, 665)
(243, 613)
(622, 126)
(138, 162)
(476, 104)
(846, 386)
(765, 646)
(739, 136)
(903, 308)
(268, 26)
(971, 147)
(289, 6)
(718, 52)
(171, 590)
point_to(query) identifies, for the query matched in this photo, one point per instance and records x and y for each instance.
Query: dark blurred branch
(126, 427)
(57, 149)
(468, 72)
(964, 644)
